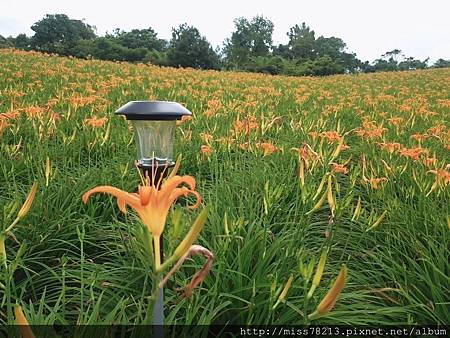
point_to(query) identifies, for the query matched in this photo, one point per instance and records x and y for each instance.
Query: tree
(301, 42)
(139, 38)
(5, 43)
(265, 64)
(22, 41)
(392, 55)
(441, 63)
(188, 48)
(261, 30)
(250, 39)
(107, 49)
(335, 49)
(412, 64)
(57, 33)
(389, 62)
(332, 46)
(156, 58)
(382, 65)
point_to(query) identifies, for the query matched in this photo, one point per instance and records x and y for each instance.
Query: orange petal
(122, 205)
(126, 198)
(144, 194)
(174, 182)
(185, 191)
(199, 199)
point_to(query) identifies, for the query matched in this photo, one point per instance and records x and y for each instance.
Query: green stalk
(7, 282)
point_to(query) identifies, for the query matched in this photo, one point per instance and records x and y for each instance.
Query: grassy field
(354, 167)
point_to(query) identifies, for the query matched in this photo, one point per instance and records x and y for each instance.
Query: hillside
(356, 167)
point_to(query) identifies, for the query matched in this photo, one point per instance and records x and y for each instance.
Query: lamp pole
(154, 125)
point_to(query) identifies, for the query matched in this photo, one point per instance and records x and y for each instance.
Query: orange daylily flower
(413, 153)
(419, 137)
(9, 116)
(331, 136)
(3, 125)
(436, 131)
(244, 146)
(206, 150)
(95, 122)
(306, 152)
(370, 130)
(246, 125)
(442, 176)
(184, 118)
(35, 111)
(339, 168)
(267, 147)
(396, 121)
(152, 204)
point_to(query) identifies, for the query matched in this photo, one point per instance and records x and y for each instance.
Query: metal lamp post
(154, 124)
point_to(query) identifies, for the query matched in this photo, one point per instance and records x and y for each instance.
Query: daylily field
(328, 199)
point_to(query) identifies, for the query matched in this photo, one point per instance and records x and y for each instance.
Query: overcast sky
(369, 28)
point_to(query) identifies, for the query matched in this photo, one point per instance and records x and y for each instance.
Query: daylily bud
(2, 249)
(283, 293)
(25, 208)
(319, 203)
(338, 150)
(357, 210)
(319, 272)
(22, 322)
(27, 204)
(47, 171)
(322, 183)
(378, 221)
(330, 298)
(330, 197)
(225, 224)
(301, 172)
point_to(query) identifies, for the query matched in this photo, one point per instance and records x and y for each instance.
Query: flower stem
(156, 243)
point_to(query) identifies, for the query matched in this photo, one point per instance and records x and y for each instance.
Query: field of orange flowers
(328, 198)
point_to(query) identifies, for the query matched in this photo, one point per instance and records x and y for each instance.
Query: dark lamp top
(153, 110)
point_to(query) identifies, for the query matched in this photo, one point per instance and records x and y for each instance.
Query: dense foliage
(250, 48)
(353, 168)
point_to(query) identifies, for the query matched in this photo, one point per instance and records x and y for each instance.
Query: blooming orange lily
(152, 204)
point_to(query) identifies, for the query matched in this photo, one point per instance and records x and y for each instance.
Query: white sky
(369, 28)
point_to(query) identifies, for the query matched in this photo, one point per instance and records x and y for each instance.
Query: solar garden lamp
(154, 124)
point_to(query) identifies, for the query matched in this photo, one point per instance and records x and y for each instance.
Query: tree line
(250, 48)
